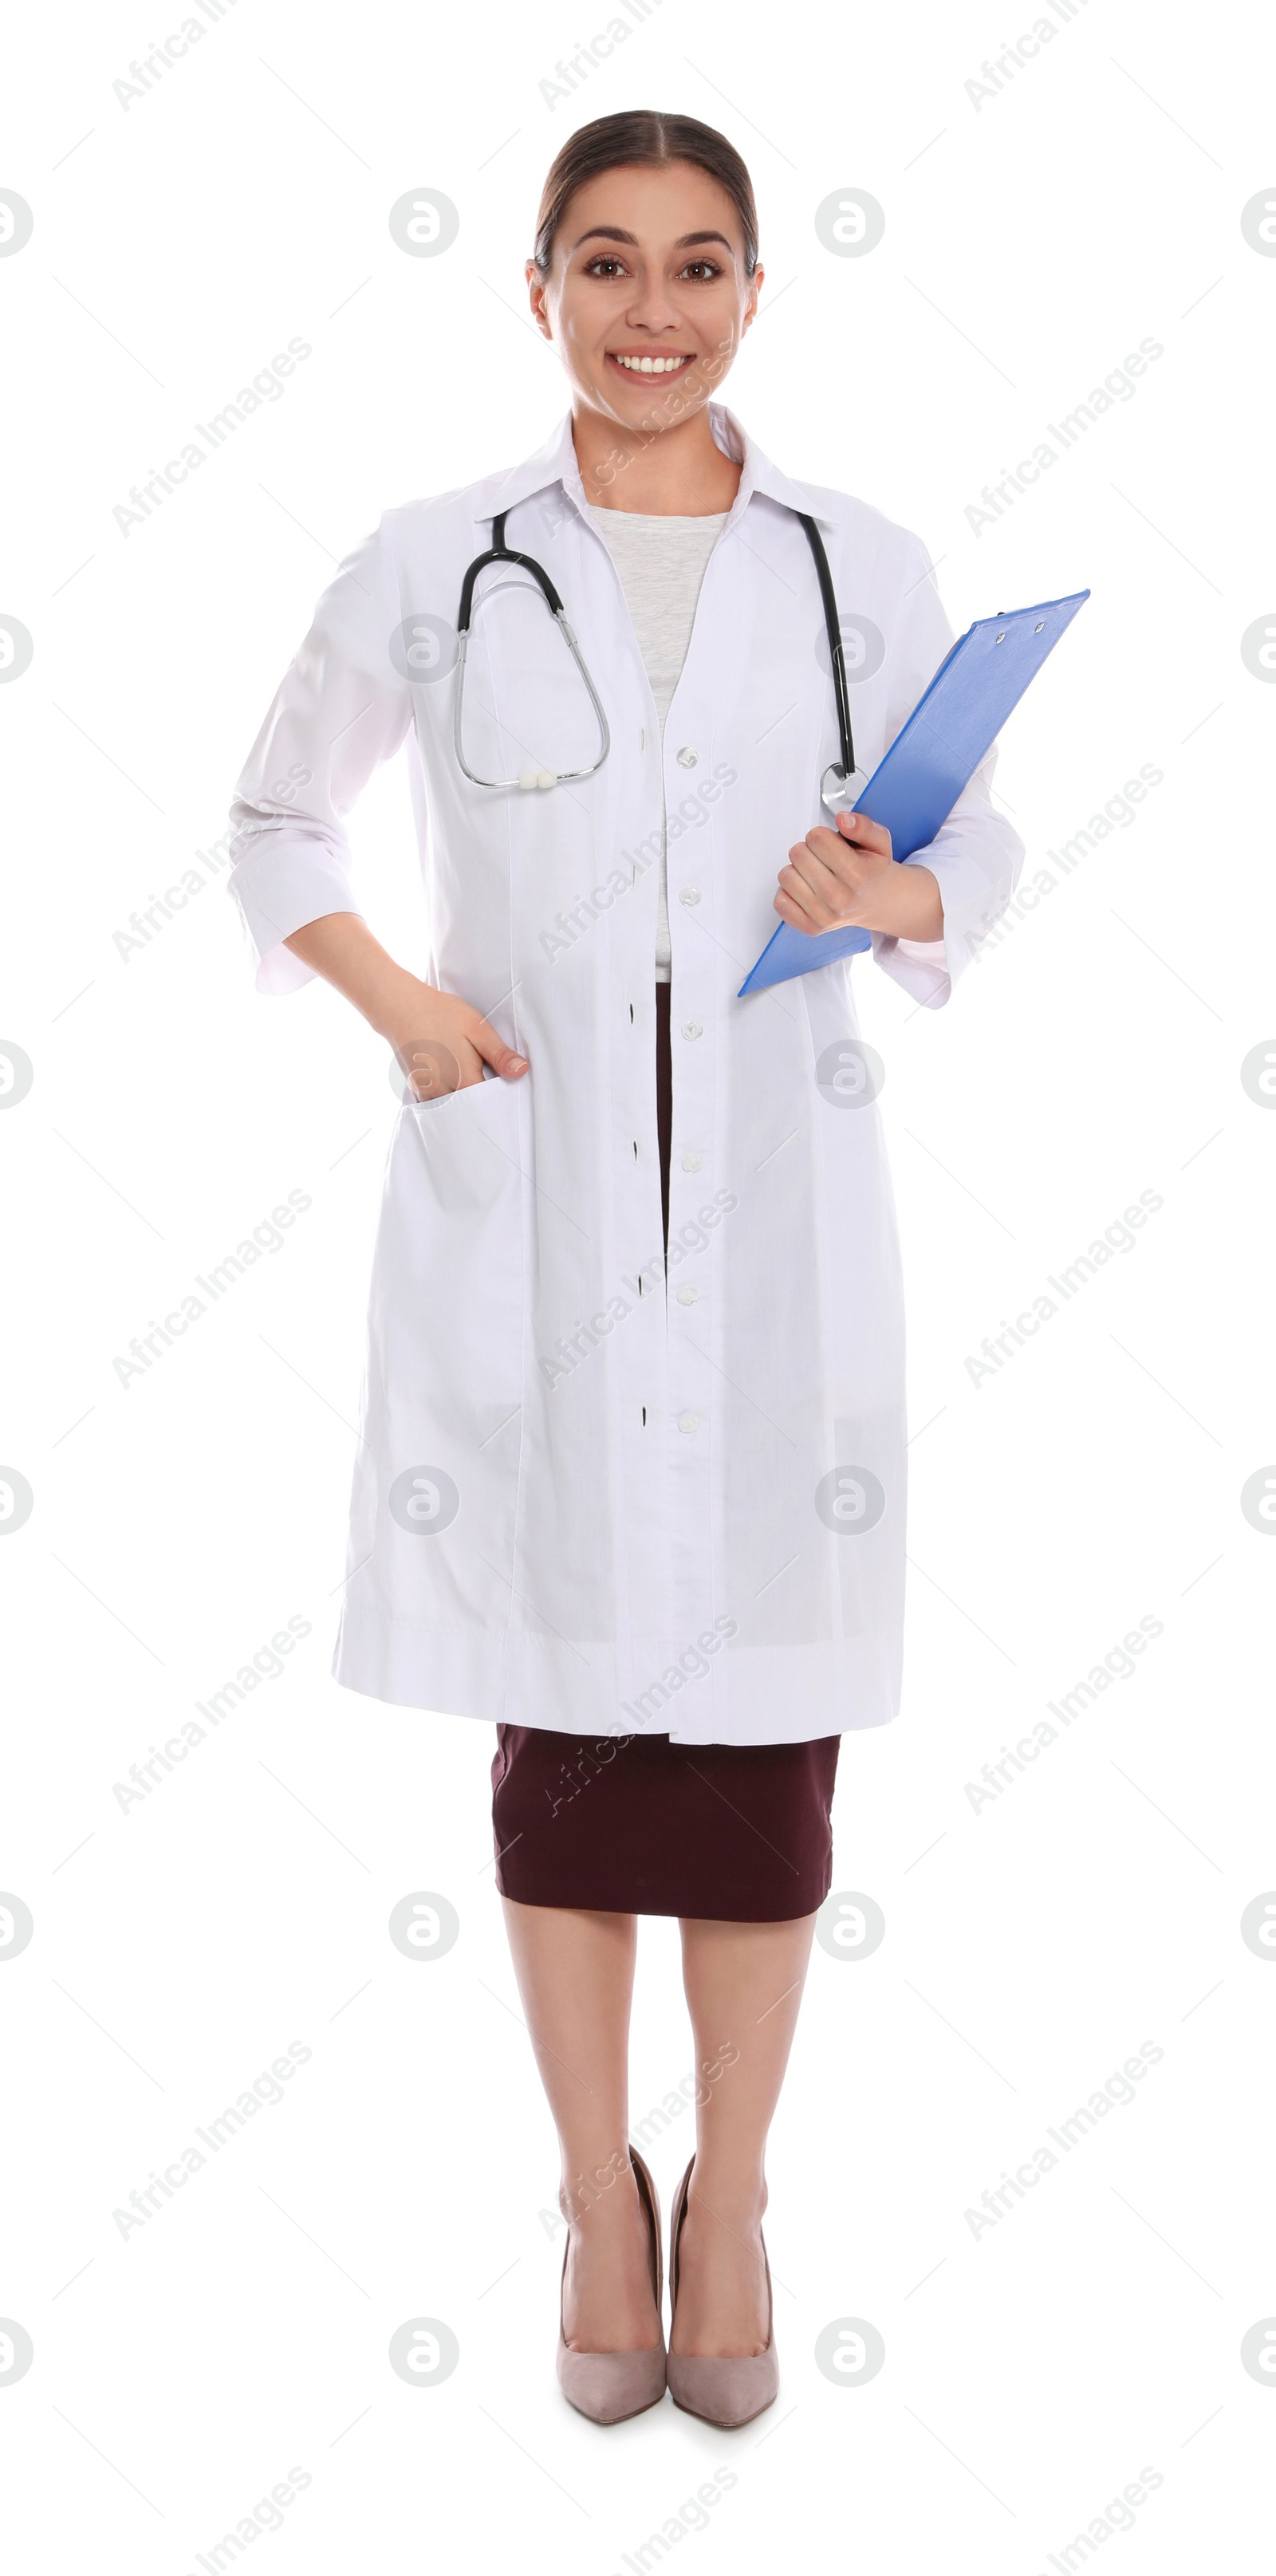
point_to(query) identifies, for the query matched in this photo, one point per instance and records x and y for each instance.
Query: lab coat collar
(555, 462)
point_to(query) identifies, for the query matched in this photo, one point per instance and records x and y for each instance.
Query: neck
(679, 472)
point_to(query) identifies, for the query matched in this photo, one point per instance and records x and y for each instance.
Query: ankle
(597, 2188)
(734, 2198)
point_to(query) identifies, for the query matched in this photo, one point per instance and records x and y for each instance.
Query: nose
(651, 307)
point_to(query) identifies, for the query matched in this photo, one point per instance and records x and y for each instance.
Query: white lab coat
(587, 1498)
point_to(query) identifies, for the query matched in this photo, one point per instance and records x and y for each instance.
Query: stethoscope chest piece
(840, 788)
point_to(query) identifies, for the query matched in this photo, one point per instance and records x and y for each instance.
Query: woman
(643, 1508)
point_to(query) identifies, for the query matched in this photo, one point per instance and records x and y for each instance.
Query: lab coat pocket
(448, 1289)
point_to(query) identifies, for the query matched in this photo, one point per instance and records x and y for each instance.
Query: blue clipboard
(933, 757)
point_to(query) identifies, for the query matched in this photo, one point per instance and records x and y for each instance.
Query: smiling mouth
(632, 362)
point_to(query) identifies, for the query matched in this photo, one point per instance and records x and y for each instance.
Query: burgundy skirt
(639, 1825)
(735, 1833)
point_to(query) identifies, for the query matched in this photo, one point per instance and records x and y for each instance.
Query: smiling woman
(549, 1548)
(673, 167)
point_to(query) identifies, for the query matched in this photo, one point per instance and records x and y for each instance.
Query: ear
(536, 297)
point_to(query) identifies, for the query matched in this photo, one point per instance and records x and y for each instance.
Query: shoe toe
(725, 2389)
(608, 2386)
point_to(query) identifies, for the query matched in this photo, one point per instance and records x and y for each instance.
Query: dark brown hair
(640, 135)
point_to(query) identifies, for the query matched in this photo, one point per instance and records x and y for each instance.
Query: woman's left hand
(848, 878)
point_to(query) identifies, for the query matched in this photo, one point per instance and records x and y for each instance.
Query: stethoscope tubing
(834, 625)
(499, 552)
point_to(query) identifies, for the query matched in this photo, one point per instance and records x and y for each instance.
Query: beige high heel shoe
(725, 2388)
(611, 2386)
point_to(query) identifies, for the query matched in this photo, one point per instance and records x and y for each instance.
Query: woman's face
(646, 300)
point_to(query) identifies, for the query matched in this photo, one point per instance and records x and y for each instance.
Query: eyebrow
(612, 232)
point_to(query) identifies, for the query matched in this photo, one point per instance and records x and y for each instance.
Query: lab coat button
(693, 1162)
(689, 894)
(688, 1296)
(692, 1029)
(688, 1422)
(687, 758)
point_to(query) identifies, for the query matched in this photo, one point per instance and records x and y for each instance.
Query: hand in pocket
(453, 1044)
(429, 1068)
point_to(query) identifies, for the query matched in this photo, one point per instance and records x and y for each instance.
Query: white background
(1031, 1945)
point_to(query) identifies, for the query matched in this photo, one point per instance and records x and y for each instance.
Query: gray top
(661, 563)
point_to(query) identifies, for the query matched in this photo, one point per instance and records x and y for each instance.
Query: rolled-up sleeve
(341, 708)
(976, 856)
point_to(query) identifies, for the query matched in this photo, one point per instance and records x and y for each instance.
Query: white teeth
(651, 366)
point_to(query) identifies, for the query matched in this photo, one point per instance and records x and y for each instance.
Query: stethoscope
(842, 781)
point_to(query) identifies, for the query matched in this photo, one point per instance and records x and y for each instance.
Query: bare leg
(575, 1974)
(744, 1985)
